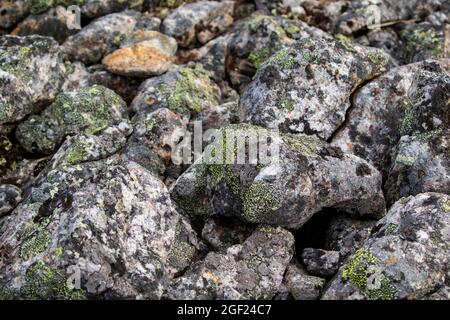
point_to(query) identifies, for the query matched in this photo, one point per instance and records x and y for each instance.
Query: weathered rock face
(301, 285)
(88, 110)
(406, 256)
(100, 37)
(253, 270)
(210, 17)
(32, 73)
(97, 8)
(10, 196)
(307, 176)
(320, 262)
(153, 54)
(297, 91)
(108, 228)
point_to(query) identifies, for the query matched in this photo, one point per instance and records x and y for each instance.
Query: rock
(406, 256)
(33, 73)
(154, 140)
(151, 56)
(55, 23)
(112, 234)
(285, 190)
(98, 8)
(222, 233)
(12, 12)
(375, 120)
(252, 270)
(297, 91)
(200, 21)
(301, 285)
(100, 37)
(185, 91)
(88, 110)
(347, 234)
(10, 196)
(320, 262)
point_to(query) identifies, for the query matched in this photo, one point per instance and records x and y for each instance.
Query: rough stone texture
(153, 54)
(97, 8)
(100, 37)
(10, 196)
(88, 110)
(297, 90)
(210, 17)
(406, 256)
(252, 270)
(308, 175)
(321, 263)
(32, 73)
(301, 285)
(347, 234)
(108, 227)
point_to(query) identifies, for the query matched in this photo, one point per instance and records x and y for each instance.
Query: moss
(292, 29)
(378, 58)
(362, 270)
(283, 59)
(35, 239)
(446, 206)
(192, 91)
(260, 198)
(256, 58)
(405, 160)
(44, 282)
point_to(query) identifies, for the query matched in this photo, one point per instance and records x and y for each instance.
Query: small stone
(321, 263)
(301, 285)
(10, 196)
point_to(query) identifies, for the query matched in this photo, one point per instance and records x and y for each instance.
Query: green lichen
(256, 58)
(313, 57)
(446, 206)
(405, 160)
(292, 29)
(192, 91)
(409, 120)
(306, 145)
(288, 104)
(378, 58)
(283, 59)
(35, 239)
(362, 270)
(260, 199)
(44, 282)
(5, 293)
(20, 65)
(421, 39)
(149, 124)
(262, 20)
(390, 228)
(76, 153)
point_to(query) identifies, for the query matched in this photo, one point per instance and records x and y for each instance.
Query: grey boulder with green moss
(104, 229)
(406, 256)
(298, 90)
(251, 270)
(288, 190)
(32, 72)
(88, 110)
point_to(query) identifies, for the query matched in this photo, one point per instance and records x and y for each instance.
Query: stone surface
(10, 196)
(321, 263)
(301, 285)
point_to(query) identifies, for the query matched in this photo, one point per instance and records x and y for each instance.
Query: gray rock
(321, 263)
(98, 8)
(200, 21)
(252, 270)
(301, 285)
(103, 229)
(288, 190)
(297, 90)
(221, 234)
(10, 196)
(406, 256)
(88, 110)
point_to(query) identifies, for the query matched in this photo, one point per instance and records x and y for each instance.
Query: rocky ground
(94, 206)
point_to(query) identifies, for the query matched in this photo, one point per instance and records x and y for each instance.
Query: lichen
(292, 29)
(288, 104)
(260, 198)
(256, 58)
(421, 39)
(362, 270)
(262, 20)
(19, 64)
(405, 160)
(446, 206)
(306, 145)
(378, 58)
(283, 59)
(76, 153)
(409, 120)
(312, 57)
(35, 239)
(40, 6)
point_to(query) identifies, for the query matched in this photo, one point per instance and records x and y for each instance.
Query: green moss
(260, 198)
(378, 58)
(283, 59)
(256, 58)
(192, 91)
(446, 206)
(44, 282)
(292, 29)
(35, 239)
(362, 270)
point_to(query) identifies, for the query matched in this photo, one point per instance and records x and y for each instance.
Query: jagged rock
(10, 196)
(375, 121)
(321, 263)
(32, 73)
(185, 91)
(301, 285)
(98, 8)
(88, 110)
(346, 234)
(223, 233)
(298, 91)
(406, 256)
(200, 21)
(103, 229)
(100, 37)
(151, 54)
(251, 270)
(307, 176)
